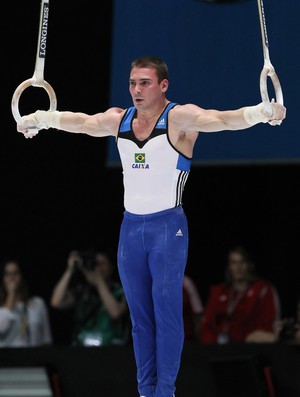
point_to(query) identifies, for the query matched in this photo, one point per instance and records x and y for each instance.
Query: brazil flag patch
(139, 158)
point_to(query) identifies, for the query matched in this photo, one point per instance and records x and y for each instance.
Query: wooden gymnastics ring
(37, 79)
(268, 69)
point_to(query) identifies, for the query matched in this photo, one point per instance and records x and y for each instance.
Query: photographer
(100, 313)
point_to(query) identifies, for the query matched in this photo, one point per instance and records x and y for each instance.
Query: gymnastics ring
(37, 79)
(268, 69)
(16, 97)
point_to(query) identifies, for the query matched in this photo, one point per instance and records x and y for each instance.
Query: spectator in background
(100, 308)
(289, 328)
(241, 306)
(192, 309)
(286, 330)
(24, 319)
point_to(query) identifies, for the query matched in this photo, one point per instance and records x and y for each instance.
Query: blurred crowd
(243, 308)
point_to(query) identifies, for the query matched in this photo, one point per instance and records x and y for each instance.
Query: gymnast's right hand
(27, 123)
(40, 120)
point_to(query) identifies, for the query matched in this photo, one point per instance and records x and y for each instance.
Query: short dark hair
(153, 62)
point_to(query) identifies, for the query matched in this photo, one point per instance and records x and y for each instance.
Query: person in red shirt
(240, 306)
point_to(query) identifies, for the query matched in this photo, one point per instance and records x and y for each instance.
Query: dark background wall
(57, 192)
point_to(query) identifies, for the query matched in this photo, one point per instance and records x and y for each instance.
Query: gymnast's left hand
(278, 113)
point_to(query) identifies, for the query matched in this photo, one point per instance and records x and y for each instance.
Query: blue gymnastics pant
(152, 256)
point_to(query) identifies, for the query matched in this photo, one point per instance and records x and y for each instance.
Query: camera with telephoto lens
(87, 260)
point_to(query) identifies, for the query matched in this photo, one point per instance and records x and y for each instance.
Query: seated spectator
(24, 320)
(192, 309)
(97, 298)
(286, 330)
(240, 306)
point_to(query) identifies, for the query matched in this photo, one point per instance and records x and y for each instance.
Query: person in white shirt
(24, 319)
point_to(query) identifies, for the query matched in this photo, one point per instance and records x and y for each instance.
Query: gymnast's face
(145, 89)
